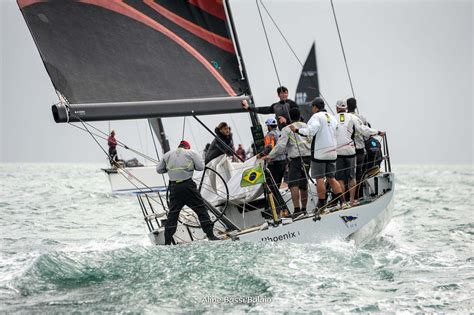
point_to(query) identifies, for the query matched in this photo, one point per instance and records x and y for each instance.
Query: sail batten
(100, 52)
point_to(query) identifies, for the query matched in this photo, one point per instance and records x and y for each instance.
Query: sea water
(68, 245)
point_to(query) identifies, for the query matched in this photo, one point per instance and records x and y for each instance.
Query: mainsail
(113, 59)
(308, 85)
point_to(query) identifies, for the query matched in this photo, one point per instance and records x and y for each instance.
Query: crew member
(281, 109)
(277, 164)
(216, 148)
(322, 127)
(180, 165)
(241, 152)
(299, 153)
(112, 142)
(346, 161)
(362, 130)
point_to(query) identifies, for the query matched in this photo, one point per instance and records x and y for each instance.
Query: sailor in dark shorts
(299, 152)
(322, 126)
(362, 130)
(346, 153)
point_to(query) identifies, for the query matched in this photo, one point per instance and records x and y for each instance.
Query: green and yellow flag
(252, 176)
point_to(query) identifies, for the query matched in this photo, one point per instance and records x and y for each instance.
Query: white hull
(370, 219)
(360, 223)
(139, 179)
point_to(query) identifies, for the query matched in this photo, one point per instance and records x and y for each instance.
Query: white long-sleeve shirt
(345, 135)
(322, 126)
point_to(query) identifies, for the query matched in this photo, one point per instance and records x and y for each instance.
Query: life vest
(269, 140)
(373, 150)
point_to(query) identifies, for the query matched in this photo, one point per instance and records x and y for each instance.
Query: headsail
(113, 59)
(308, 85)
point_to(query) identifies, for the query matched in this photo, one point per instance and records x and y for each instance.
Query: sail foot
(147, 109)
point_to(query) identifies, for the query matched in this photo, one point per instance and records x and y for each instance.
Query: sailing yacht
(118, 60)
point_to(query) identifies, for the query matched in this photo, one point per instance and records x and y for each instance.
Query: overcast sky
(411, 63)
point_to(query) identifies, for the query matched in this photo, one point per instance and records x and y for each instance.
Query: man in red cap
(112, 143)
(180, 165)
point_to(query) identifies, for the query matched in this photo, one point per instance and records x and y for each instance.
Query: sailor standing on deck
(180, 165)
(346, 154)
(299, 153)
(362, 130)
(112, 143)
(322, 127)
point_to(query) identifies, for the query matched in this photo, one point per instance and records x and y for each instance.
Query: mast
(257, 132)
(159, 131)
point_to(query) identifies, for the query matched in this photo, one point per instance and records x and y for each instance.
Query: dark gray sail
(136, 59)
(308, 85)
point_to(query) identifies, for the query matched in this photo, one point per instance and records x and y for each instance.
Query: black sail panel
(101, 52)
(308, 85)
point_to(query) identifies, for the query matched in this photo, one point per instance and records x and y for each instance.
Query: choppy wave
(71, 246)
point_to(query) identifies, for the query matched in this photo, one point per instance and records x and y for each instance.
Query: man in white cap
(346, 155)
(362, 130)
(348, 129)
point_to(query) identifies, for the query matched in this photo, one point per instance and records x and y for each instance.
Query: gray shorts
(323, 169)
(296, 173)
(345, 168)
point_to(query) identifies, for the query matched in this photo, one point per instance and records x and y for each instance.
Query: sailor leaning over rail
(180, 165)
(299, 152)
(362, 130)
(216, 148)
(322, 127)
(280, 108)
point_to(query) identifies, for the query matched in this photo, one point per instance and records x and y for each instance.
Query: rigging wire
(268, 43)
(236, 129)
(294, 53)
(308, 178)
(196, 143)
(119, 143)
(342, 48)
(184, 127)
(154, 142)
(139, 136)
(156, 151)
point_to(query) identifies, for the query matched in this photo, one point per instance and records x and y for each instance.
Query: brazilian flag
(252, 176)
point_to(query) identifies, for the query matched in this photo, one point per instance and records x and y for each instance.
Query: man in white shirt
(322, 127)
(361, 131)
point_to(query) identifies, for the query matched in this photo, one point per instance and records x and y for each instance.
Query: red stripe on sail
(25, 3)
(214, 39)
(215, 7)
(122, 8)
